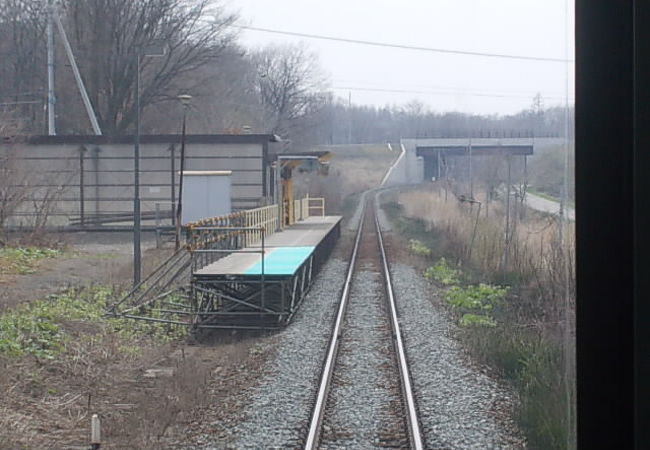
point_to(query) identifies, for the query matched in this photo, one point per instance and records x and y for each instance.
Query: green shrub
(476, 320)
(418, 248)
(481, 297)
(443, 273)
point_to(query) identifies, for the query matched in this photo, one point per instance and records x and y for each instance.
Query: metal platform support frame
(255, 301)
(205, 300)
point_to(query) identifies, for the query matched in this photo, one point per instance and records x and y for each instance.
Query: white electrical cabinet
(206, 194)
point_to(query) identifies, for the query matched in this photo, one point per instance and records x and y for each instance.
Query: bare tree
(108, 36)
(290, 85)
(22, 25)
(224, 98)
(11, 196)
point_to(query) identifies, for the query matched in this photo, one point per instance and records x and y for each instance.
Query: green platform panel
(282, 261)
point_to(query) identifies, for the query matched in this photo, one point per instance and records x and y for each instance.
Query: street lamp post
(185, 100)
(262, 75)
(137, 251)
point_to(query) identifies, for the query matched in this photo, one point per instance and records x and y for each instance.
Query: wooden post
(82, 200)
(172, 149)
(95, 432)
(158, 237)
(507, 251)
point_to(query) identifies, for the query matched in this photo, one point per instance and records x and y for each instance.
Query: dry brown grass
(534, 255)
(48, 403)
(353, 169)
(533, 342)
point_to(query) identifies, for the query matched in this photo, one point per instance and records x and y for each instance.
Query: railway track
(364, 397)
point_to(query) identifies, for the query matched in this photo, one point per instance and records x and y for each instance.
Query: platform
(239, 291)
(284, 251)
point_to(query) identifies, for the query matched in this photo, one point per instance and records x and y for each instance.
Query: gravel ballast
(460, 407)
(279, 406)
(364, 408)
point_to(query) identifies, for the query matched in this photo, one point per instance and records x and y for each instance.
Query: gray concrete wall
(408, 168)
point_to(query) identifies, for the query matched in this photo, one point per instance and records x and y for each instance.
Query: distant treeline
(339, 124)
(277, 89)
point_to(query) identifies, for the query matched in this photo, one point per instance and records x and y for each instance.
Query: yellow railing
(320, 205)
(303, 208)
(265, 217)
(247, 225)
(200, 235)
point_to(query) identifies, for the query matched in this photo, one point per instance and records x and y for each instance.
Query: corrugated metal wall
(81, 182)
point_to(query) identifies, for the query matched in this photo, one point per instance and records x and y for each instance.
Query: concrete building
(89, 180)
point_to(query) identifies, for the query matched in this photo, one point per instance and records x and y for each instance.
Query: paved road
(541, 204)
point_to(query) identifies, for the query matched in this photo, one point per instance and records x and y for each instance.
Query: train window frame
(612, 113)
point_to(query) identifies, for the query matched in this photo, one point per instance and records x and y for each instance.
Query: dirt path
(546, 205)
(89, 258)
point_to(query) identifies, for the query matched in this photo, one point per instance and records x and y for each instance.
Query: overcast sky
(444, 82)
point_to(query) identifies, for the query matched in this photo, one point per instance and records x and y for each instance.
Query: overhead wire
(404, 46)
(465, 93)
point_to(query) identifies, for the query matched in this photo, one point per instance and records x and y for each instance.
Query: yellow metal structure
(287, 198)
(290, 206)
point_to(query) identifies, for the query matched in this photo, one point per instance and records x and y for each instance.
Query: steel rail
(415, 434)
(328, 368)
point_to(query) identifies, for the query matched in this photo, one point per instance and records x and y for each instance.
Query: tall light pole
(137, 251)
(51, 126)
(262, 75)
(185, 100)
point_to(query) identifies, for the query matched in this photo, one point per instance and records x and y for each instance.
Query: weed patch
(482, 297)
(469, 320)
(23, 260)
(533, 364)
(443, 273)
(418, 248)
(43, 328)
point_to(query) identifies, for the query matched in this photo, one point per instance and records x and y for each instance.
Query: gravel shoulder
(460, 406)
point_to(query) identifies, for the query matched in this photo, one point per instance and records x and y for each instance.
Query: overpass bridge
(424, 158)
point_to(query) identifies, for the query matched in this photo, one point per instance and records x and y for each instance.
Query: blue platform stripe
(282, 261)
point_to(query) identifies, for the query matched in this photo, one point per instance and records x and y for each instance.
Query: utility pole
(185, 100)
(137, 222)
(137, 251)
(77, 76)
(51, 126)
(350, 117)
(507, 252)
(471, 172)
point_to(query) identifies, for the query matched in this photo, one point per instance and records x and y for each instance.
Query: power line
(452, 89)
(404, 91)
(404, 47)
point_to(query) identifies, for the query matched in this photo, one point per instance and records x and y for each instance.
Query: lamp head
(185, 99)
